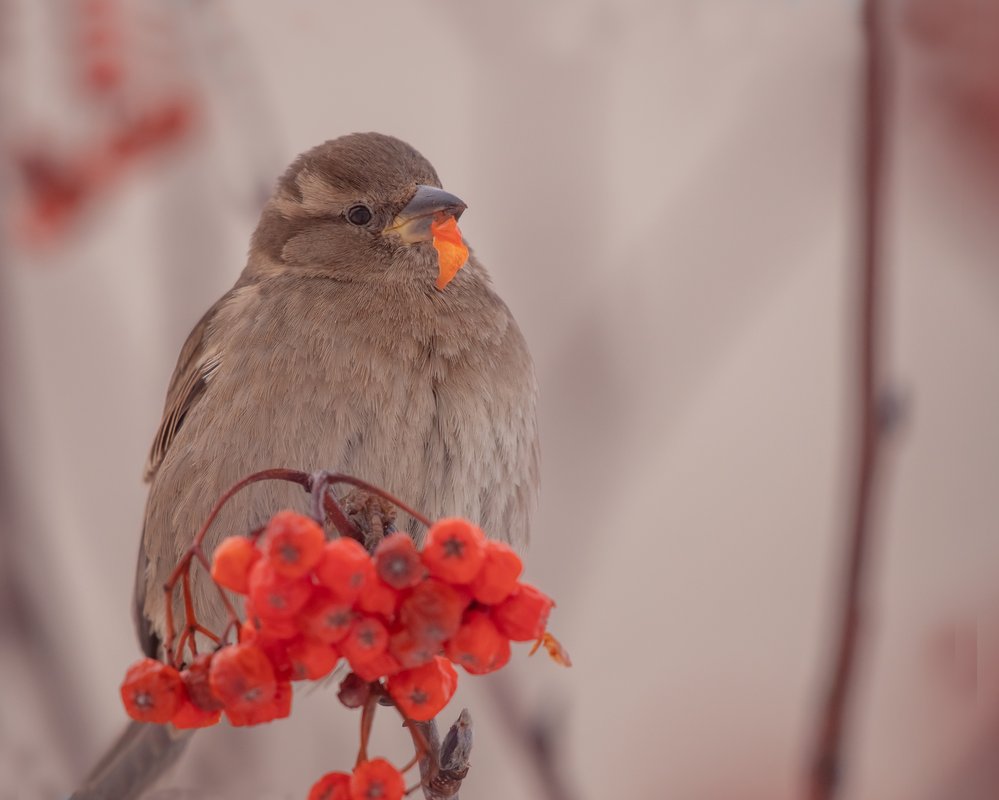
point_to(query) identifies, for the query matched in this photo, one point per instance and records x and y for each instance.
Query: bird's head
(362, 206)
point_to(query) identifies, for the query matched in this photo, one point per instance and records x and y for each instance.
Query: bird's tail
(141, 754)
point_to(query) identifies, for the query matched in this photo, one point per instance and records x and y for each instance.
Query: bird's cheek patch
(452, 254)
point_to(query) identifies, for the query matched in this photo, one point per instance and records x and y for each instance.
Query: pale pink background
(665, 193)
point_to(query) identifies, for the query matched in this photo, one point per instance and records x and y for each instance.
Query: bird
(337, 349)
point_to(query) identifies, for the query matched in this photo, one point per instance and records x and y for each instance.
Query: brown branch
(826, 763)
(443, 766)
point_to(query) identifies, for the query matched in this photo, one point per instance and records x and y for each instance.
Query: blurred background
(666, 193)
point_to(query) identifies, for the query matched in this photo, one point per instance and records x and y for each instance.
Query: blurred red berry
(344, 567)
(366, 641)
(421, 692)
(279, 629)
(278, 707)
(152, 691)
(501, 567)
(311, 659)
(398, 562)
(294, 543)
(332, 786)
(377, 597)
(242, 677)
(275, 648)
(195, 679)
(523, 616)
(190, 716)
(478, 645)
(325, 617)
(376, 780)
(454, 550)
(432, 611)
(381, 666)
(275, 596)
(231, 563)
(411, 651)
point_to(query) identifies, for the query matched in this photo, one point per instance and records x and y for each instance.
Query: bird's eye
(359, 215)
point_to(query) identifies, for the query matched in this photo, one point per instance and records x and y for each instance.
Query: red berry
(275, 648)
(454, 550)
(332, 786)
(294, 543)
(377, 597)
(275, 597)
(278, 707)
(242, 677)
(195, 678)
(432, 611)
(311, 659)
(152, 691)
(344, 567)
(366, 641)
(411, 651)
(421, 692)
(478, 645)
(397, 561)
(498, 577)
(523, 616)
(190, 716)
(231, 563)
(381, 666)
(325, 617)
(376, 780)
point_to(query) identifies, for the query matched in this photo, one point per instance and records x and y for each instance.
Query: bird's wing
(195, 367)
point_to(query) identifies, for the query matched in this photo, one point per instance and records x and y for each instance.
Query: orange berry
(294, 543)
(278, 707)
(231, 563)
(478, 645)
(242, 677)
(152, 691)
(311, 659)
(377, 597)
(376, 780)
(275, 648)
(190, 716)
(421, 692)
(344, 567)
(397, 561)
(380, 666)
(497, 579)
(432, 611)
(523, 616)
(325, 617)
(332, 786)
(274, 596)
(366, 641)
(454, 550)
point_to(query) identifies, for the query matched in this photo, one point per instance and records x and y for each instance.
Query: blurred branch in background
(827, 760)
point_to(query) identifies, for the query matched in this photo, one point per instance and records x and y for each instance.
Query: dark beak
(428, 204)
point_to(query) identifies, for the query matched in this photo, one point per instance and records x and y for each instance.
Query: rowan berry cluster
(400, 617)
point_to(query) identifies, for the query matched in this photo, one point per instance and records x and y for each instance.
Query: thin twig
(826, 764)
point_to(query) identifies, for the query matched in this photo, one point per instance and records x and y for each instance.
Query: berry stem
(367, 720)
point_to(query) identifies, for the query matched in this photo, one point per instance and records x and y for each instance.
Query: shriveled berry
(421, 692)
(325, 617)
(190, 716)
(311, 659)
(344, 567)
(354, 690)
(523, 616)
(377, 597)
(432, 611)
(332, 786)
(366, 641)
(275, 596)
(498, 576)
(294, 543)
(242, 677)
(232, 561)
(152, 691)
(478, 645)
(376, 780)
(398, 562)
(278, 707)
(454, 550)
